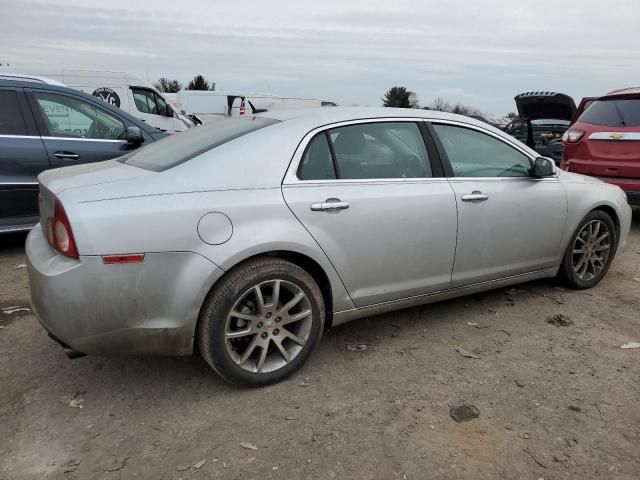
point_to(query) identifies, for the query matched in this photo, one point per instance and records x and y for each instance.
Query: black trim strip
(336, 169)
(445, 164)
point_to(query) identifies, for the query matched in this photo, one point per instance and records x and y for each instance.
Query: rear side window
(367, 151)
(11, 120)
(621, 112)
(181, 147)
(317, 163)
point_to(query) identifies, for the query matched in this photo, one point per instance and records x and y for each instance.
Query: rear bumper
(139, 308)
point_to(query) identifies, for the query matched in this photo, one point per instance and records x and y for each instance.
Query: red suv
(604, 141)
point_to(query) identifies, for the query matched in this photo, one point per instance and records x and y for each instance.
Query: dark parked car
(46, 126)
(544, 117)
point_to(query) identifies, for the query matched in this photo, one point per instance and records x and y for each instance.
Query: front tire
(590, 251)
(261, 322)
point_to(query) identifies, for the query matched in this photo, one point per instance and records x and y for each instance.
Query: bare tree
(168, 86)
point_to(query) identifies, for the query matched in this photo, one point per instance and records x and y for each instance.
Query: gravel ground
(554, 402)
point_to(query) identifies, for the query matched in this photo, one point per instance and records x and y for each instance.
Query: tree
(400, 97)
(168, 86)
(199, 83)
(442, 105)
(512, 115)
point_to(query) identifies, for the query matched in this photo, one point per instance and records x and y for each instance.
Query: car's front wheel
(261, 322)
(590, 251)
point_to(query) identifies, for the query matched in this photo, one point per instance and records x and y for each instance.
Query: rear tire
(261, 322)
(590, 251)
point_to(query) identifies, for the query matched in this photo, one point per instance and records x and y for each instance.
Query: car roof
(624, 91)
(327, 115)
(63, 89)
(30, 78)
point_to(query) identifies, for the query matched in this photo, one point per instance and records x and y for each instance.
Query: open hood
(545, 105)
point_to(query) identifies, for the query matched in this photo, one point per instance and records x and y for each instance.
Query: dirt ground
(554, 402)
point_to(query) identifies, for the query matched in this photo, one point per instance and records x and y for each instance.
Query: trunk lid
(545, 105)
(59, 180)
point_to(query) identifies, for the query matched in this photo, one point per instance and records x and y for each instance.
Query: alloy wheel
(591, 250)
(268, 326)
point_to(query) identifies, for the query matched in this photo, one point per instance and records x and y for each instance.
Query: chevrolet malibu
(247, 239)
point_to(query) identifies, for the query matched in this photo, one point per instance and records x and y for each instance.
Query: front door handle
(330, 205)
(67, 155)
(475, 196)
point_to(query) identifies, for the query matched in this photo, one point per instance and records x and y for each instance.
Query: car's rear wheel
(261, 322)
(590, 251)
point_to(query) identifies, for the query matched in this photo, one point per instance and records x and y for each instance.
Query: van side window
(147, 101)
(11, 119)
(71, 117)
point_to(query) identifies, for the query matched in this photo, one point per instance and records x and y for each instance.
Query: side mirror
(168, 111)
(543, 167)
(134, 136)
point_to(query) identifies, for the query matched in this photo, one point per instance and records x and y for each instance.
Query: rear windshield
(620, 112)
(181, 147)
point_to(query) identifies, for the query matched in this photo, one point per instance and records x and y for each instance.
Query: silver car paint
(116, 208)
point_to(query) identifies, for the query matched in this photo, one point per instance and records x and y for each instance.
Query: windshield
(181, 147)
(613, 112)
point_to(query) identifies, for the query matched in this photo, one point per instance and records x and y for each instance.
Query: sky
(481, 53)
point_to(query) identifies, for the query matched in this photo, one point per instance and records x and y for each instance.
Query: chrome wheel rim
(591, 250)
(268, 326)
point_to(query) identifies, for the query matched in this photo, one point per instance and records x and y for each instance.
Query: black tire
(567, 271)
(232, 288)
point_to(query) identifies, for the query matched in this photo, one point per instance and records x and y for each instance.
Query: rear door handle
(475, 196)
(67, 155)
(331, 204)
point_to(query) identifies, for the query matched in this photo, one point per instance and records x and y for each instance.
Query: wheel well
(315, 270)
(612, 213)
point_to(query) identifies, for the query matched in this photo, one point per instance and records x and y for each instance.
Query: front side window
(476, 154)
(367, 151)
(11, 119)
(71, 117)
(147, 101)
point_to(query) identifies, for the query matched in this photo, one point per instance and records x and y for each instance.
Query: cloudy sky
(481, 52)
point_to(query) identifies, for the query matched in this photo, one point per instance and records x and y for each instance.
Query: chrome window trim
(622, 136)
(19, 136)
(84, 139)
(291, 176)
(19, 183)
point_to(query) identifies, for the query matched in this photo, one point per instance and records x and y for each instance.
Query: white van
(208, 106)
(123, 90)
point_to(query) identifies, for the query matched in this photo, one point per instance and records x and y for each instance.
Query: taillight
(59, 232)
(242, 108)
(572, 136)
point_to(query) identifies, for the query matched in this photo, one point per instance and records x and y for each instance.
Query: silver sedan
(246, 239)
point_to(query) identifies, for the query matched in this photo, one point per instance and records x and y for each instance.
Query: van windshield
(614, 112)
(183, 146)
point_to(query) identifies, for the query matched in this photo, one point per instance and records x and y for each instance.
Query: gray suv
(46, 126)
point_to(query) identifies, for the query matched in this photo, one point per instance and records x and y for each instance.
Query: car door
(22, 158)
(509, 223)
(374, 198)
(152, 108)
(75, 130)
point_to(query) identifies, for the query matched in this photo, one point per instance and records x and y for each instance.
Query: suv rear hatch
(610, 145)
